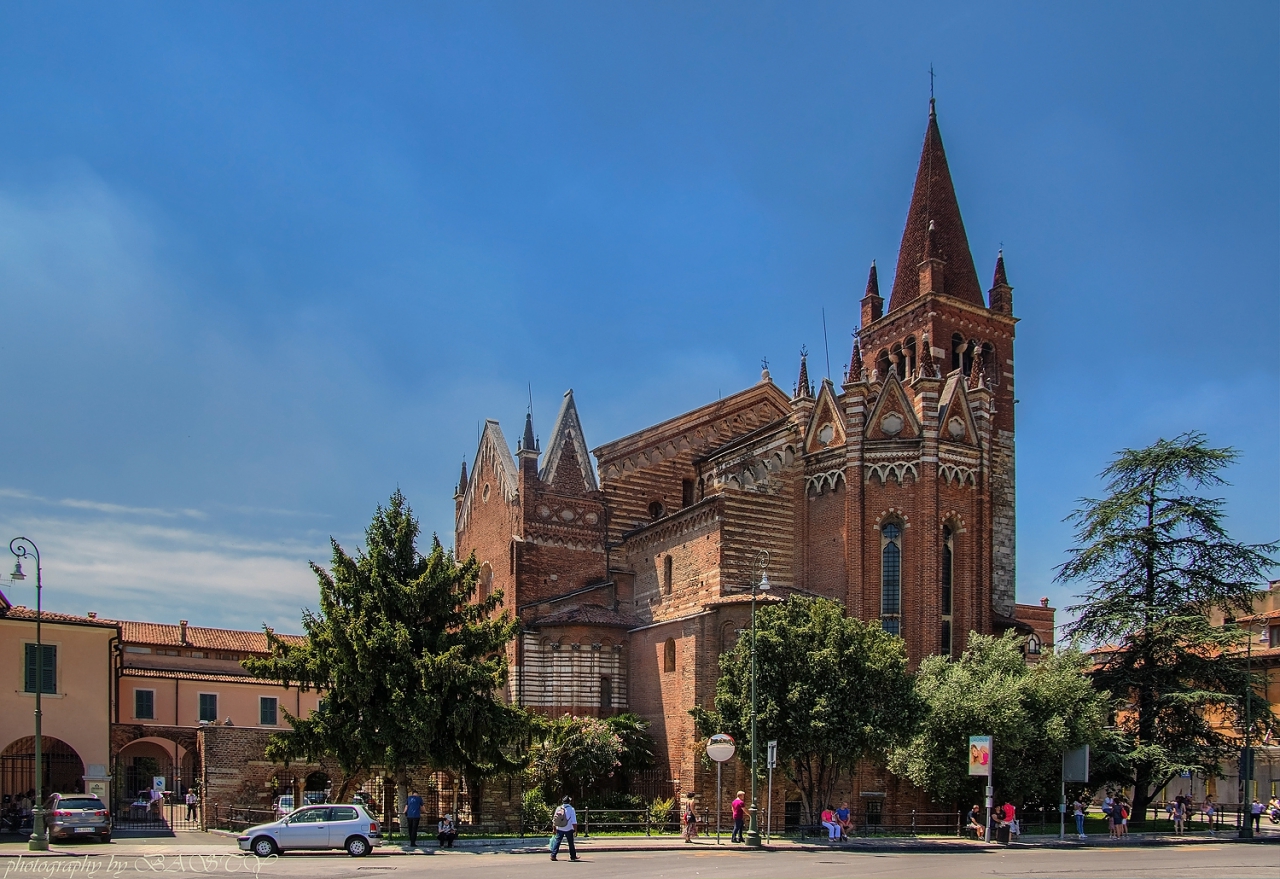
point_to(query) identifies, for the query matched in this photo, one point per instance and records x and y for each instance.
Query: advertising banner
(980, 755)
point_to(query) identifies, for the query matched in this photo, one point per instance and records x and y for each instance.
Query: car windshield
(81, 803)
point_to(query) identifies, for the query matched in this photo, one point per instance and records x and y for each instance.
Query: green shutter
(50, 669)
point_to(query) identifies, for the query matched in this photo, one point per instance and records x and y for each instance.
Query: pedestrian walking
(689, 823)
(191, 805)
(412, 816)
(1077, 810)
(738, 809)
(565, 822)
(1255, 812)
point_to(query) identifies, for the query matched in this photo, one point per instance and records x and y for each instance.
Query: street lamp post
(1246, 762)
(752, 836)
(39, 841)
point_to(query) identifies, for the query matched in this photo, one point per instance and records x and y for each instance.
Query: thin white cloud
(124, 570)
(102, 506)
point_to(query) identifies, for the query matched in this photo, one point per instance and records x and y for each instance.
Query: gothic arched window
(891, 578)
(948, 575)
(606, 693)
(669, 655)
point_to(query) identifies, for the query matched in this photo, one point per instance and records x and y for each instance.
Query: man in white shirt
(564, 822)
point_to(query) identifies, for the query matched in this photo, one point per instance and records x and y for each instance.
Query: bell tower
(947, 495)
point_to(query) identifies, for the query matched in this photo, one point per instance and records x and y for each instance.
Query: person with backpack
(564, 821)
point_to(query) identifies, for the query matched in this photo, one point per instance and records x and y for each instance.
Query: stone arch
(63, 769)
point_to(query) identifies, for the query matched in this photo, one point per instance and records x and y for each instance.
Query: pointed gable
(934, 199)
(826, 427)
(893, 416)
(567, 465)
(494, 471)
(955, 418)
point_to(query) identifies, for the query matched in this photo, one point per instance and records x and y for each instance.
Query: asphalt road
(1217, 861)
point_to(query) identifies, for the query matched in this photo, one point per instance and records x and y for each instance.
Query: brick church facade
(892, 493)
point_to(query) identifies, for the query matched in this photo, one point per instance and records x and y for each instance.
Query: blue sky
(260, 264)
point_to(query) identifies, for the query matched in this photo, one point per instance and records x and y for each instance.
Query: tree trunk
(402, 791)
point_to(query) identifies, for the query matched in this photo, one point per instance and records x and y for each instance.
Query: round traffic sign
(720, 747)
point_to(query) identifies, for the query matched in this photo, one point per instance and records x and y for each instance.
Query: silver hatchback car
(71, 815)
(345, 826)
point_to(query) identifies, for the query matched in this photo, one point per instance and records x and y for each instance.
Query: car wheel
(357, 846)
(106, 837)
(264, 847)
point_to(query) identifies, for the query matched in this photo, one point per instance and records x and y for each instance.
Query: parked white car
(315, 827)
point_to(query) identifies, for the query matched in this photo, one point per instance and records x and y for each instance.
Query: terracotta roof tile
(587, 615)
(196, 676)
(200, 637)
(18, 612)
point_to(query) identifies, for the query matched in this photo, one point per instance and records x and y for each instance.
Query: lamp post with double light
(23, 547)
(760, 584)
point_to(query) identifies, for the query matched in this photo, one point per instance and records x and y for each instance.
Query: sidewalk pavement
(217, 842)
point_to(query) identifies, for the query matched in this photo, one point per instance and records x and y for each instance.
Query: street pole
(719, 801)
(768, 809)
(1246, 764)
(752, 836)
(39, 842)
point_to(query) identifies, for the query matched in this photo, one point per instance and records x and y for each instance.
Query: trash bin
(1002, 833)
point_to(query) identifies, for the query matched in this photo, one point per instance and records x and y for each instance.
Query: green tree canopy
(831, 689)
(411, 667)
(1034, 712)
(1158, 561)
(570, 754)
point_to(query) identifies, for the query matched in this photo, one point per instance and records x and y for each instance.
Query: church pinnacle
(933, 201)
(804, 390)
(529, 443)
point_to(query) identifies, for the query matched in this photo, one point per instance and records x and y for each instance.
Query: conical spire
(462, 483)
(855, 361)
(934, 199)
(1001, 293)
(803, 388)
(872, 303)
(529, 443)
(1000, 279)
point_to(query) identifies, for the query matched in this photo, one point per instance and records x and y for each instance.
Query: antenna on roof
(824, 341)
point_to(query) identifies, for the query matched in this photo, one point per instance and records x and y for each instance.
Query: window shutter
(50, 669)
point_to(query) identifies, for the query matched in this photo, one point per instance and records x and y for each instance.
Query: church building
(892, 493)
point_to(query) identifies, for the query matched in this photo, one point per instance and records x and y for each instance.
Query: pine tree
(1159, 561)
(410, 665)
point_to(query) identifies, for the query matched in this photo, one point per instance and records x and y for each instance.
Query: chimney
(182, 632)
(1044, 602)
(93, 614)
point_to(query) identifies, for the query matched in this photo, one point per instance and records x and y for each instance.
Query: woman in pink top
(829, 822)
